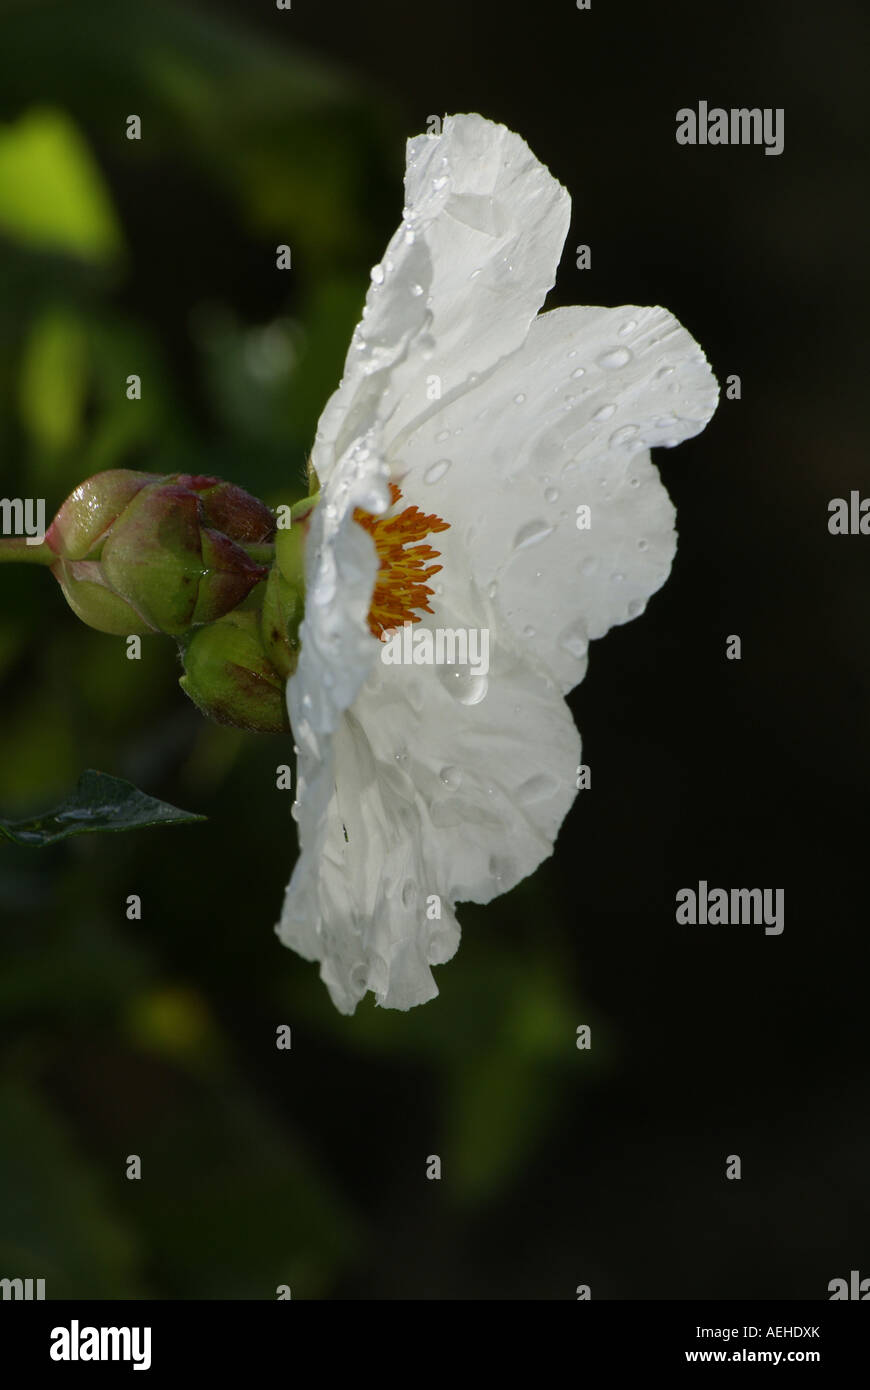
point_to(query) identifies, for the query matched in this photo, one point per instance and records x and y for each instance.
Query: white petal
(422, 794)
(337, 649)
(459, 284)
(567, 421)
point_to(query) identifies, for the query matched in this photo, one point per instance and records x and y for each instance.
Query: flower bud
(169, 549)
(228, 675)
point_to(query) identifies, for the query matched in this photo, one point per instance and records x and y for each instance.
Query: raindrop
(416, 291)
(552, 494)
(605, 412)
(665, 371)
(636, 607)
(435, 472)
(573, 640)
(579, 371)
(451, 777)
(531, 533)
(615, 357)
(442, 435)
(463, 684)
(622, 435)
(378, 274)
(628, 327)
(492, 589)
(518, 399)
(537, 788)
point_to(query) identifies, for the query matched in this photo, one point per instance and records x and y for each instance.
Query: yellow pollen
(401, 586)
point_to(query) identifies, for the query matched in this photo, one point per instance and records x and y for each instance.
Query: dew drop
(435, 472)
(605, 412)
(622, 435)
(441, 436)
(492, 589)
(451, 777)
(531, 533)
(636, 607)
(463, 684)
(573, 640)
(416, 291)
(614, 357)
(538, 788)
(552, 494)
(665, 371)
(628, 327)
(579, 371)
(518, 399)
(377, 274)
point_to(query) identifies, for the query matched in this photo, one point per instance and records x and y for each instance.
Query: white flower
(422, 786)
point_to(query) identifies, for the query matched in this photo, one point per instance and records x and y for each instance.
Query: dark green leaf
(99, 802)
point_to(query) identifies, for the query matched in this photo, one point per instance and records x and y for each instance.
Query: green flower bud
(91, 599)
(228, 675)
(282, 612)
(83, 522)
(169, 549)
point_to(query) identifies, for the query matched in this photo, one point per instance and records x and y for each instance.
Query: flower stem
(15, 548)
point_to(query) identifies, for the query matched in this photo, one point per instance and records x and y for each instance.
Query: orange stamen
(401, 586)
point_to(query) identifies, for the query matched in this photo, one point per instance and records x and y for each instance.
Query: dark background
(560, 1167)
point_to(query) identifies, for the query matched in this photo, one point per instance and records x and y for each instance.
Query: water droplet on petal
(636, 607)
(622, 435)
(416, 290)
(441, 436)
(492, 589)
(519, 398)
(538, 788)
(552, 494)
(665, 371)
(377, 274)
(579, 371)
(605, 412)
(642, 544)
(409, 892)
(463, 684)
(531, 533)
(628, 327)
(573, 640)
(528, 630)
(451, 777)
(435, 472)
(614, 357)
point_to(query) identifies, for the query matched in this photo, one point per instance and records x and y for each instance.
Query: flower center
(401, 586)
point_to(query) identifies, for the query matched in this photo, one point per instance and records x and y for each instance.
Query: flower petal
(460, 282)
(431, 789)
(566, 422)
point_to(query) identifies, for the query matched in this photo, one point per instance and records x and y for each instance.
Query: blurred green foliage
(157, 1037)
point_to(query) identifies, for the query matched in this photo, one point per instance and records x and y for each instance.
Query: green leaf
(99, 802)
(52, 194)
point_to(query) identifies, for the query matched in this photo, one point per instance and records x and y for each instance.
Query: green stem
(15, 548)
